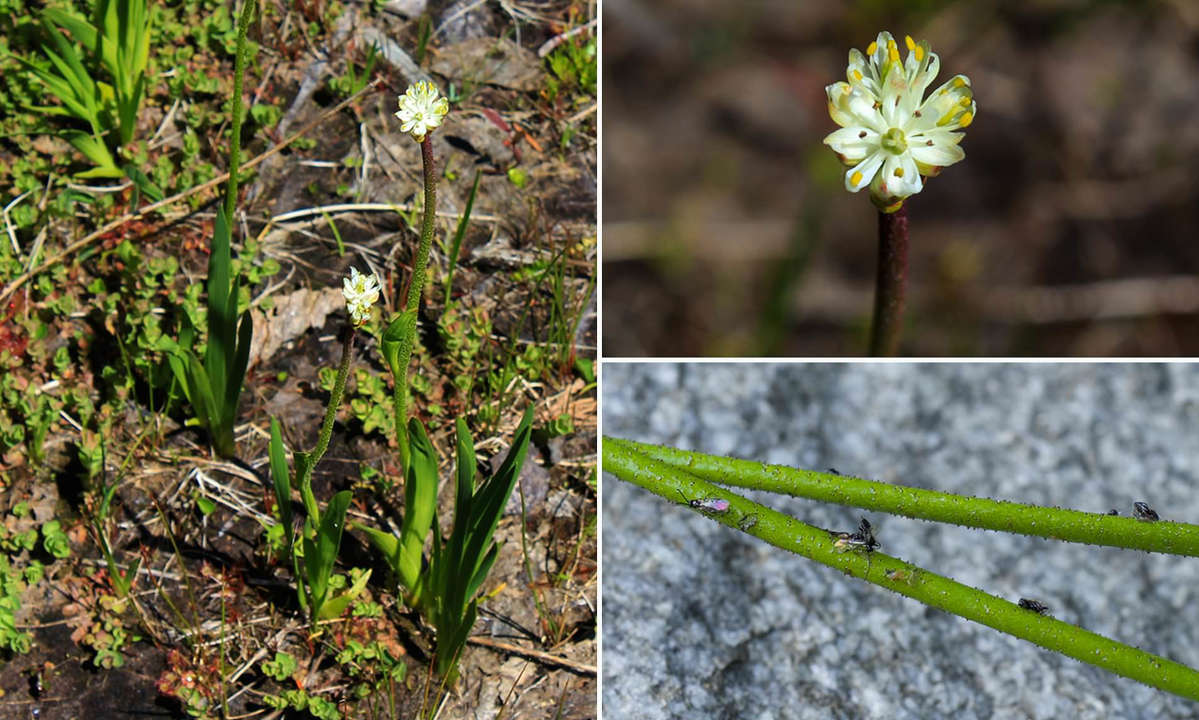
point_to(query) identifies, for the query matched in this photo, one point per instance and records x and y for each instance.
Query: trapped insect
(1036, 606)
(863, 538)
(902, 576)
(746, 522)
(1142, 511)
(716, 506)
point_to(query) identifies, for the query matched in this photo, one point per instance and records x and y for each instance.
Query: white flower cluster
(421, 109)
(361, 292)
(889, 136)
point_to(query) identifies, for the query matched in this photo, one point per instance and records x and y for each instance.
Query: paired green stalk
(890, 286)
(320, 538)
(214, 387)
(679, 476)
(1054, 523)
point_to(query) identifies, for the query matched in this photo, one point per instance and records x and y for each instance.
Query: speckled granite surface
(700, 621)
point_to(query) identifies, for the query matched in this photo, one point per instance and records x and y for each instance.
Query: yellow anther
(857, 75)
(856, 178)
(919, 53)
(966, 119)
(965, 102)
(959, 82)
(907, 40)
(871, 48)
(898, 172)
(893, 53)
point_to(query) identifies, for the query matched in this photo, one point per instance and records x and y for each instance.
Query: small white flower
(421, 109)
(889, 136)
(361, 292)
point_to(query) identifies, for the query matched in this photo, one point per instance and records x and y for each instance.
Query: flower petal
(860, 175)
(853, 143)
(950, 106)
(937, 148)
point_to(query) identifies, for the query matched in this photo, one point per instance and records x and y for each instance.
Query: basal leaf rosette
(891, 136)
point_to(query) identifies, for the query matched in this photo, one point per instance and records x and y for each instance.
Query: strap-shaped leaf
(201, 393)
(420, 502)
(493, 496)
(387, 544)
(220, 317)
(454, 576)
(335, 606)
(483, 569)
(324, 551)
(237, 368)
(281, 480)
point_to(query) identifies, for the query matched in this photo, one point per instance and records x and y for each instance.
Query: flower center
(894, 141)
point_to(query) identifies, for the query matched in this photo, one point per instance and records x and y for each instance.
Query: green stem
(678, 486)
(412, 306)
(243, 23)
(339, 386)
(891, 282)
(1069, 525)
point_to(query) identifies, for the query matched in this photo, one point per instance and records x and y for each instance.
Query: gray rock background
(700, 621)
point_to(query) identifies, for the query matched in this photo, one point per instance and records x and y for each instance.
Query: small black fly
(716, 506)
(1142, 511)
(863, 538)
(1036, 606)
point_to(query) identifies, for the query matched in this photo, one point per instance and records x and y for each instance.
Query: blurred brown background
(1070, 228)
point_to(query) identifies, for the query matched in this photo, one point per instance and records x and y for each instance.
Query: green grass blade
(459, 234)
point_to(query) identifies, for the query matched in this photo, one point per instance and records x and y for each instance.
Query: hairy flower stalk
(892, 137)
(421, 111)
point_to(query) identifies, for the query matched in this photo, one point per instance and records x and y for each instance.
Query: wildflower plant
(213, 387)
(444, 587)
(117, 40)
(314, 555)
(891, 138)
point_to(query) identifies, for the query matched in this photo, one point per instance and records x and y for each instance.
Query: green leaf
(336, 606)
(493, 496)
(220, 318)
(320, 556)
(281, 479)
(420, 503)
(143, 183)
(387, 544)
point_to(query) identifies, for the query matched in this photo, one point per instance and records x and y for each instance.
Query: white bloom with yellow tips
(890, 136)
(421, 109)
(361, 292)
